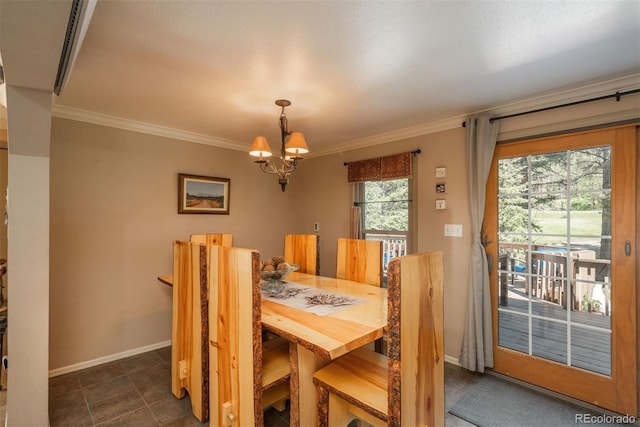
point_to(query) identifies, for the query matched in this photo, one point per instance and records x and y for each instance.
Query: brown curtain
(381, 168)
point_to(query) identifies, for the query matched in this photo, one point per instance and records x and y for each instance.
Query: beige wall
(113, 218)
(327, 198)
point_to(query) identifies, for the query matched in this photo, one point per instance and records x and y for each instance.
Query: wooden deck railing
(393, 245)
(546, 269)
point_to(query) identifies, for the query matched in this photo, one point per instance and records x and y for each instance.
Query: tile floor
(136, 391)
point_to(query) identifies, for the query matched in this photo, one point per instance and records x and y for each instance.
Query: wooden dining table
(316, 340)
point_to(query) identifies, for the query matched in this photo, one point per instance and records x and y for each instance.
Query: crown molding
(147, 128)
(396, 135)
(608, 87)
(581, 93)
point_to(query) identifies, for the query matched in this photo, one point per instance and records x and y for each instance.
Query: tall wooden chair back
(189, 352)
(304, 250)
(406, 387)
(221, 239)
(359, 260)
(240, 369)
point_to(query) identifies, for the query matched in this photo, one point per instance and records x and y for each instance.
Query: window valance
(381, 168)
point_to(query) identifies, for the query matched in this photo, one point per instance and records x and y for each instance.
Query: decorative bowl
(277, 276)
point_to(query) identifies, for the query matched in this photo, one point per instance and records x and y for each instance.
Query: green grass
(583, 223)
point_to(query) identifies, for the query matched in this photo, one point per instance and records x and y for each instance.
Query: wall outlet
(453, 230)
(441, 204)
(441, 172)
(316, 226)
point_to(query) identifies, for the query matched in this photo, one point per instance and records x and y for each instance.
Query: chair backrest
(416, 343)
(189, 301)
(235, 342)
(359, 260)
(304, 250)
(221, 239)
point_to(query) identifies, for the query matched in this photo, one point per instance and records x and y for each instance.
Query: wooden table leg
(304, 363)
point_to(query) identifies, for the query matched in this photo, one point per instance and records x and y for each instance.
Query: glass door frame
(619, 391)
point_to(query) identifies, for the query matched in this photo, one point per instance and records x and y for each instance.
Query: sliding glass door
(560, 219)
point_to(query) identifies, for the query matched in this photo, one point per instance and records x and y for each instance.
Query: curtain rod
(616, 95)
(381, 201)
(418, 151)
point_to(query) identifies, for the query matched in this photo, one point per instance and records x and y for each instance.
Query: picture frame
(199, 194)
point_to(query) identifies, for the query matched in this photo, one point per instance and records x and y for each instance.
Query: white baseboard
(151, 347)
(107, 359)
(452, 360)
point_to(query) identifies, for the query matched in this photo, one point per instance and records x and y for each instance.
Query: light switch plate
(441, 204)
(441, 172)
(453, 230)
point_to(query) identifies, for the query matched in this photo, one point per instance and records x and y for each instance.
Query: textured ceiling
(353, 70)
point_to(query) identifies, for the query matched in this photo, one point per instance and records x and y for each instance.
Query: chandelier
(293, 145)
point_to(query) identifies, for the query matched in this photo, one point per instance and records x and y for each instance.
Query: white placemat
(307, 298)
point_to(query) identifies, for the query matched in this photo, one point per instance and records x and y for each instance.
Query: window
(385, 208)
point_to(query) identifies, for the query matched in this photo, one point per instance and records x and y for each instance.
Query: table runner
(307, 298)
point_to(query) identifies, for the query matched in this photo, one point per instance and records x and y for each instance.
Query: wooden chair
(360, 260)
(222, 239)
(405, 388)
(189, 331)
(189, 360)
(245, 374)
(304, 250)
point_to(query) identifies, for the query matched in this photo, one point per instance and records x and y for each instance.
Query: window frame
(360, 199)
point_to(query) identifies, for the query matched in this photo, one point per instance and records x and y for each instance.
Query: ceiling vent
(79, 18)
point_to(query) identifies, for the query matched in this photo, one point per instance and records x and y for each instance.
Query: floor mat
(494, 402)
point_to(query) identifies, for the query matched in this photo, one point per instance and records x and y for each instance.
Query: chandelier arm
(285, 168)
(267, 167)
(291, 166)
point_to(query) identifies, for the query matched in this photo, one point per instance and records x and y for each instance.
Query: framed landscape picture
(203, 194)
